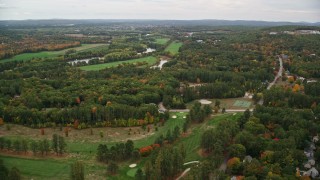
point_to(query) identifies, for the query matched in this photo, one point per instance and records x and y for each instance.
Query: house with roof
(313, 172)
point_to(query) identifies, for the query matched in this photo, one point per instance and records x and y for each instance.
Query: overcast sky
(270, 10)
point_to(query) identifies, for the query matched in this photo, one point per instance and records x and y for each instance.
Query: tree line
(42, 147)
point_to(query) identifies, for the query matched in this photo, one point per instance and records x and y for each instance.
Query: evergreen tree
(139, 174)
(14, 174)
(112, 168)
(54, 144)
(3, 171)
(8, 144)
(176, 133)
(177, 162)
(129, 148)
(77, 171)
(46, 146)
(148, 168)
(24, 146)
(101, 152)
(62, 145)
(34, 147)
(182, 151)
(17, 146)
(169, 136)
(2, 143)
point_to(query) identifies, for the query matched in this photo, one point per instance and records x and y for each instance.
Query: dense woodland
(213, 62)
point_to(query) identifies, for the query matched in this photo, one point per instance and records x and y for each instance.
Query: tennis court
(244, 104)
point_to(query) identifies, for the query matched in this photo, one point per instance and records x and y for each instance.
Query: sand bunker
(174, 117)
(132, 165)
(204, 101)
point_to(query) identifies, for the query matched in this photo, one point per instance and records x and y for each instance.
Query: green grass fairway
(50, 54)
(244, 104)
(132, 172)
(162, 41)
(170, 124)
(90, 148)
(192, 142)
(150, 60)
(173, 48)
(39, 169)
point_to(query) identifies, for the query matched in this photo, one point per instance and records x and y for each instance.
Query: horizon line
(310, 22)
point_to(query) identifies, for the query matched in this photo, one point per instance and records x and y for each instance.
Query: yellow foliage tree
(232, 162)
(296, 88)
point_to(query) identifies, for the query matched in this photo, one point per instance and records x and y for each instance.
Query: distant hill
(209, 22)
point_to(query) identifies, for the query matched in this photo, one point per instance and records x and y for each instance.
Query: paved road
(184, 173)
(275, 78)
(278, 75)
(237, 110)
(223, 166)
(162, 108)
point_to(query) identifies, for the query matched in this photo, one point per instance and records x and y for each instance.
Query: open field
(50, 54)
(162, 41)
(173, 48)
(150, 60)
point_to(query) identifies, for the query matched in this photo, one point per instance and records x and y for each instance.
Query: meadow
(150, 60)
(50, 54)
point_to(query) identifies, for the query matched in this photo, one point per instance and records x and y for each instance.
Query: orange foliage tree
(233, 162)
(145, 151)
(76, 124)
(296, 88)
(42, 131)
(1, 122)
